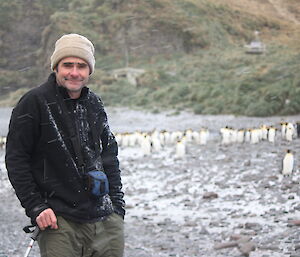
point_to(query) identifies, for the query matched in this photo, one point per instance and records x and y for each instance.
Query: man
(62, 160)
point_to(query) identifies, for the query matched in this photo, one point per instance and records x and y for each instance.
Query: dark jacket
(41, 161)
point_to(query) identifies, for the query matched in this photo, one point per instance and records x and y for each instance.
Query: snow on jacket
(41, 162)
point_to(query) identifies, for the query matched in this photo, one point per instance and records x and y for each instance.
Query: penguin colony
(229, 135)
(155, 141)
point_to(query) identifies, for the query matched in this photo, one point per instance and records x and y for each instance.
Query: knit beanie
(73, 45)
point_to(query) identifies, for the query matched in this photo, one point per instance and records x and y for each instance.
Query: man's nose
(74, 71)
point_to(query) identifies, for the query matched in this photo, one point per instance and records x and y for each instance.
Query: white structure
(130, 74)
(255, 46)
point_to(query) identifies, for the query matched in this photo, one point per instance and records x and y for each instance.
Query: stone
(246, 248)
(210, 195)
(226, 245)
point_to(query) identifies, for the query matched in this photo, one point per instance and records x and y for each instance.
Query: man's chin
(74, 87)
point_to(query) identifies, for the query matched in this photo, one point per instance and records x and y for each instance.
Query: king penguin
(290, 131)
(288, 163)
(225, 134)
(180, 148)
(146, 145)
(240, 135)
(271, 134)
(2, 142)
(283, 129)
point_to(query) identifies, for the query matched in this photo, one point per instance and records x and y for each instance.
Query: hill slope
(192, 51)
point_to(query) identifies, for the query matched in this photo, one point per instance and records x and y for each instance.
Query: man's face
(73, 74)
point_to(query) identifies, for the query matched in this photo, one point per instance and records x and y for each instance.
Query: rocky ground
(217, 201)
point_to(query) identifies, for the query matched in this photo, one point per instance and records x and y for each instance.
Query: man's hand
(46, 219)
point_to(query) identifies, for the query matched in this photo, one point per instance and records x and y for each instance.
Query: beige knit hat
(73, 45)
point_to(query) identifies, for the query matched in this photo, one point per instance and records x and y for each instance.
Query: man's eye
(82, 65)
(68, 65)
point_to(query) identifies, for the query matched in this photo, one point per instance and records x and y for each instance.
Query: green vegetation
(192, 52)
(216, 82)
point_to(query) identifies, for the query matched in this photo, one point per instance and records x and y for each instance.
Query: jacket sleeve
(21, 141)
(111, 167)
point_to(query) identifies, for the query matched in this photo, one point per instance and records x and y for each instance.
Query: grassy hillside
(192, 51)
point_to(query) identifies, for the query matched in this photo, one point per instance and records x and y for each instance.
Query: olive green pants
(100, 239)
